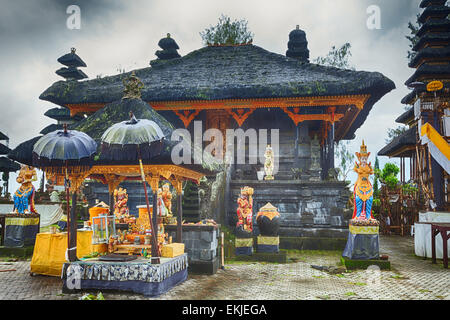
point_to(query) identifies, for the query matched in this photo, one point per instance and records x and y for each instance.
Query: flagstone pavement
(411, 277)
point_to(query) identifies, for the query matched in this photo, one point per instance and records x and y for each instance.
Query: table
(50, 251)
(138, 275)
(443, 229)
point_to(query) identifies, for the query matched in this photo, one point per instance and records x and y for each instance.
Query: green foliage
(409, 189)
(413, 38)
(388, 175)
(376, 190)
(337, 57)
(227, 32)
(345, 159)
(395, 132)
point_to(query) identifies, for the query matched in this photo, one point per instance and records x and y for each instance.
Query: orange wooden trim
(84, 108)
(240, 115)
(187, 119)
(357, 100)
(297, 118)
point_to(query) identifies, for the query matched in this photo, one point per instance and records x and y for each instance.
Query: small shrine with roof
(425, 143)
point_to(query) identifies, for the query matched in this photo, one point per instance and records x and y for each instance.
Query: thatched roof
(4, 149)
(229, 72)
(406, 116)
(96, 124)
(7, 165)
(408, 138)
(23, 153)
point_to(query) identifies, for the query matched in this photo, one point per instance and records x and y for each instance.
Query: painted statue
(24, 196)
(245, 209)
(167, 197)
(268, 164)
(363, 192)
(121, 210)
(162, 209)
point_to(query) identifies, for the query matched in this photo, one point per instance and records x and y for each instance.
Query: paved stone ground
(410, 278)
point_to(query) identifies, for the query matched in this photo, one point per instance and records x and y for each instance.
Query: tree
(345, 159)
(413, 38)
(227, 32)
(375, 179)
(338, 58)
(394, 133)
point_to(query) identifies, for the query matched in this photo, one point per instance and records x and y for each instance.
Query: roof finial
(133, 86)
(72, 50)
(297, 27)
(168, 35)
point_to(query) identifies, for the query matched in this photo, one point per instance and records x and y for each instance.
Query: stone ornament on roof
(133, 86)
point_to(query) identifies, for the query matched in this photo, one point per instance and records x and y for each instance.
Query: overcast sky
(124, 35)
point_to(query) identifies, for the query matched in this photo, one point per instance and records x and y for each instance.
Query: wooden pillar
(154, 184)
(179, 188)
(72, 235)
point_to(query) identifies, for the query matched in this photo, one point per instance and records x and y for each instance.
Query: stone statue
(363, 192)
(268, 164)
(24, 196)
(315, 154)
(133, 86)
(121, 210)
(162, 208)
(167, 197)
(245, 209)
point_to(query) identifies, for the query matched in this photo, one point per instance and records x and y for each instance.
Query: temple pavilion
(425, 143)
(246, 86)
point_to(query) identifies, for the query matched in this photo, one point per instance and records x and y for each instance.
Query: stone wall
(306, 208)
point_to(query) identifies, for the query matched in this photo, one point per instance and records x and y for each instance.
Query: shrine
(246, 86)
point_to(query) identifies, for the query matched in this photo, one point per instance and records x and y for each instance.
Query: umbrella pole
(155, 253)
(69, 221)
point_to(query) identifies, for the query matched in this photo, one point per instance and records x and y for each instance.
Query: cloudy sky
(124, 35)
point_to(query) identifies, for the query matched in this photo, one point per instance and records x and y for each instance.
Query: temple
(246, 86)
(425, 143)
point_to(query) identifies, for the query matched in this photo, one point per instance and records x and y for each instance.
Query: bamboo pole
(155, 251)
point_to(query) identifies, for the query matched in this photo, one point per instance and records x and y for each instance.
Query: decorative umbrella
(59, 151)
(131, 140)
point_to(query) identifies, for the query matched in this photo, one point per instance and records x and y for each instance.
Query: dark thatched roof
(118, 111)
(61, 114)
(7, 165)
(430, 53)
(4, 149)
(3, 136)
(23, 153)
(434, 25)
(408, 138)
(228, 72)
(431, 38)
(438, 71)
(406, 116)
(50, 128)
(439, 11)
(426, 3)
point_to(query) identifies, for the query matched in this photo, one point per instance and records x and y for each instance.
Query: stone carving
(245, 210)
(121, 210)
(268, 164)
(133, 86)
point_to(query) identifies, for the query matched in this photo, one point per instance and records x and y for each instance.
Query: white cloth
(50, 213)
(422, 241)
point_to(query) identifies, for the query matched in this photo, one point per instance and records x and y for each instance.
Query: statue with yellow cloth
(363, 192)
(24, 196)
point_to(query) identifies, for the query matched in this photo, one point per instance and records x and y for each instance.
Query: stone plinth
(267, 244)
(244, 246)
(201, 244)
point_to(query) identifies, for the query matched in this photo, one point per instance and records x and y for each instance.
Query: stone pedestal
(362, 243)
(244, 246)
(268, 244)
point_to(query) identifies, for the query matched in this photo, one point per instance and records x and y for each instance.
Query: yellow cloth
(363, 229)
(50, 251)
(243, 242)
(272, 241)
(436, 138)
